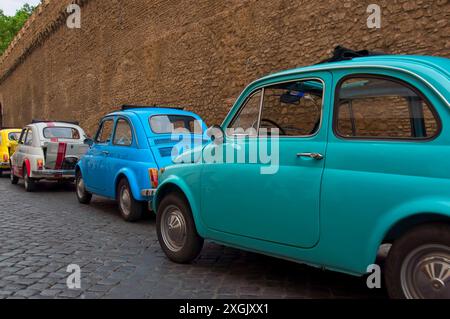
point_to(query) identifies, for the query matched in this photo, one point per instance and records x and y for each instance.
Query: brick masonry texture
(197, 54)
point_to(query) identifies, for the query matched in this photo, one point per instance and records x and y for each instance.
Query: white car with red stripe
(48, 150)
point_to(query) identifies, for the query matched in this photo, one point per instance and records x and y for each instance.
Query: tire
(1, 172)
(30, 184)
(14, 179)
(183, 245)
(130, 209)
(84, 197)
(415, 266)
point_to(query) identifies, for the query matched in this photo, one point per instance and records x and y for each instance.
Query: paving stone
(124, 260)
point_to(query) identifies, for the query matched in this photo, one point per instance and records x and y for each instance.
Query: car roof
(151, 111)
(42, 125)
(431, 70)
(11, 130)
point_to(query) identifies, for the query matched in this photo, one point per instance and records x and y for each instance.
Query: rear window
(61, 132)
(167, 124)
(14, 136)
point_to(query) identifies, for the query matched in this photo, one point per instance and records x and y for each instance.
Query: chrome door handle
(316, 156)
(105, 152)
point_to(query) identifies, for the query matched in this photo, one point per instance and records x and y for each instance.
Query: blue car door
(98, 162)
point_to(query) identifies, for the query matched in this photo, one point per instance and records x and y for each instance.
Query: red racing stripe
(61, 155)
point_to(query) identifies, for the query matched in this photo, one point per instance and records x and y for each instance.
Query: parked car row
(363, 160)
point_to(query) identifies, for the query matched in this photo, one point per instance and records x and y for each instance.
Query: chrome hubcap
(80, 187)
(425, 273)
(173, 228)
(125, 200)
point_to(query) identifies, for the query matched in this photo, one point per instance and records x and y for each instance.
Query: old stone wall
(197, 54)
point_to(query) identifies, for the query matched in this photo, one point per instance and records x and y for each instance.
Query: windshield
(167, 124)
(14, 136)
(61, 132)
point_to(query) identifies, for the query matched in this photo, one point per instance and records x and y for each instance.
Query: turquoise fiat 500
(129, 148)
(355, 154)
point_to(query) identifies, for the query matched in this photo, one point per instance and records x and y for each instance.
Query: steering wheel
(272, 123)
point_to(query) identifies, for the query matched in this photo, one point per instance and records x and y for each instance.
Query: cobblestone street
(42, 233)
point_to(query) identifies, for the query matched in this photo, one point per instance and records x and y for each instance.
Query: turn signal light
(5, 158)
(153, 172)
(40, 164)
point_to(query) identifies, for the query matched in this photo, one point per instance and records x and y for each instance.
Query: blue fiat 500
(127, 151)
(355, 154)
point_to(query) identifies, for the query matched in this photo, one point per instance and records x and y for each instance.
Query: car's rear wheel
(130, 209)
(84, 197)
(418, 264)
(176, 229)
(30, 184)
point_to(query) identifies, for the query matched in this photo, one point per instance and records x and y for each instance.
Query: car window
(246, 122)
(61, 132)
(123, 135)
(293, 108)
(383, 108)
(105, 132)
(29, 138)
(14, 136)
(167, 124)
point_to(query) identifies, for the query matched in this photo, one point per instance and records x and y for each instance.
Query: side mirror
(89, 141)
(216, 134)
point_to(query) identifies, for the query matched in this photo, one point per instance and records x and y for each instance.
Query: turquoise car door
(272, 196)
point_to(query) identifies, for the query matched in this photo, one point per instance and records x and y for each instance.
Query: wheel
(418, 264)
(30, 184)
(14, 178)
(176, 229)
(1, 172)
(84, 197)
(130, 209)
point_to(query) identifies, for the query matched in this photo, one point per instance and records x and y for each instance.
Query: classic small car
(47, 150)
(8, 143)
(129, 148)
(363, 147)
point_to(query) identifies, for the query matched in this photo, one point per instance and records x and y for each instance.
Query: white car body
(32, 158)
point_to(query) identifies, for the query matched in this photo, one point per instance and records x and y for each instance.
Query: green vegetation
(9, 26)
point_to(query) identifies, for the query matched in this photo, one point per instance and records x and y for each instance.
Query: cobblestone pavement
(42, 233)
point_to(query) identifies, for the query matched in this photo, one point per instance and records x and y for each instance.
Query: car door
(17, 159)
(123, 152)
(98, 164)
(271, 189)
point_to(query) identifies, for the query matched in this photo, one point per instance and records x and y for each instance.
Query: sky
(10, 7)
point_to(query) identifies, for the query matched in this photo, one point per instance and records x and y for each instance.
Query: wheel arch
(394, 224)
(174, 184)
(132, 181)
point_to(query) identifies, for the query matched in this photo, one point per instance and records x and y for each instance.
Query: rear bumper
(148, 192)
(4, 165)
(54, 174)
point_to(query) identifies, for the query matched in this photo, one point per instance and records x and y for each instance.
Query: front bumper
(54, 174)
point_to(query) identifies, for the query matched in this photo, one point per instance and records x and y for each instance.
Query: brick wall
(198, 54)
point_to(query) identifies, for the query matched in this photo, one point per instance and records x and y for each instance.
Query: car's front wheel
(418, 264)
(84, 197)
(14, 178)
(130, 209)
(176, 229)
